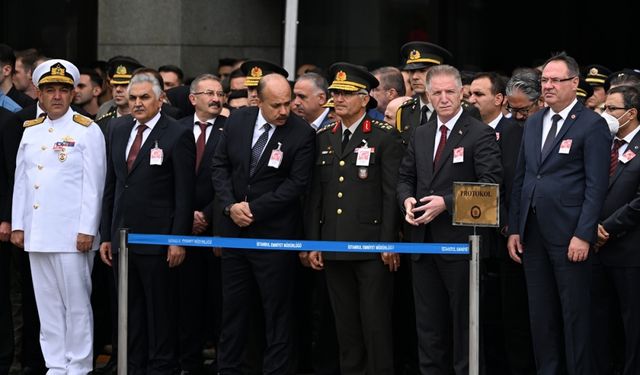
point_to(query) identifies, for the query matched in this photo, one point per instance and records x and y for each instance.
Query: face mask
(625, 124)
(613, 123)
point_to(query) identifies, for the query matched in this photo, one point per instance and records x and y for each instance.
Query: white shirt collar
(451, 122)
(151, 123)
(493, 123)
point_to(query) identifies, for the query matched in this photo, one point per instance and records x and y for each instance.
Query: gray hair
(390, 78)
(319, 81)
(202, 77)
(146, 77)
(527, 81)
(443, 70)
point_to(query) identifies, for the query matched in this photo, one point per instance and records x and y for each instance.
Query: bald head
(274, 94)
(392, 108)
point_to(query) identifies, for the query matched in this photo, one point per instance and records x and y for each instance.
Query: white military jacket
(59, 182)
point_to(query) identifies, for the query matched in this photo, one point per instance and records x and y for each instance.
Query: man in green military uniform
(352, 199)
(419, 57)
(254, 70)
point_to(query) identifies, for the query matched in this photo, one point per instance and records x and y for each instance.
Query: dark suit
(555, 197)
(10, 133)
(356, 203)
(515, 307)
(441, 282)
(20, 97)
(155, 199)
(199, 262)
(273, 195)
(617, 266)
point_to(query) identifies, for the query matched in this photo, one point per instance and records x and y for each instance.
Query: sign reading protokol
(476, 204)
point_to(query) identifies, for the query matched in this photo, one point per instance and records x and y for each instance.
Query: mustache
(215, 104)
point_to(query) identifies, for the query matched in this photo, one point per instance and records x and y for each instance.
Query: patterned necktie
(551, 136)
(617, 143)
(256, 151)
(441, 144)
(135, 147)
(424, 117)
(201, 142)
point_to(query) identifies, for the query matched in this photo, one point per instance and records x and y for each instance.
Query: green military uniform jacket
(349, 202)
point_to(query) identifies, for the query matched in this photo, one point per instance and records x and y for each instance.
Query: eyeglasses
(611, 108)
(523, 111)
(555, 81)
(346, 94)
(210, 93)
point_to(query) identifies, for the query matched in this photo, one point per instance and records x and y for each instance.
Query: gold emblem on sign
(121, 69)
(256, 72)
(341, 76)
(593, 71)
(414, 54)
(476, 204)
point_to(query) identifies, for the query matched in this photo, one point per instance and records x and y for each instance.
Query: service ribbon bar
(298, 245)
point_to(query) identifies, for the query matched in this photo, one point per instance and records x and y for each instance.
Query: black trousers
(152, 326)
(361, 293)
(6, 321)
(272, 274)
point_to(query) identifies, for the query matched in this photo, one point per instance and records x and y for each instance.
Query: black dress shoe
(28, 370)
(110, 368)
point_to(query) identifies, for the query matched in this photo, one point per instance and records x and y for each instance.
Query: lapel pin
(573, 116)
(460, 132)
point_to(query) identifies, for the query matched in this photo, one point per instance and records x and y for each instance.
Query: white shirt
(196, 128)
(58, 192)
(495, 121)
(318, 122)
(450, 124)
(547, 120)
(627, 140)
(134, 131)
(257, 130)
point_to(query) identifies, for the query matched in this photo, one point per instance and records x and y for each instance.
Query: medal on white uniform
(276, 157)
(156, 155)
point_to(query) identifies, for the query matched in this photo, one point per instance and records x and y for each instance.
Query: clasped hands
(433, 205)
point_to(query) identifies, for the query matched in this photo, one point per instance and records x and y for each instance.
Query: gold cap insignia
(341, 76)
(593, 71)
(121, 69)
(256, 72)
(414, 55)
(57, 70)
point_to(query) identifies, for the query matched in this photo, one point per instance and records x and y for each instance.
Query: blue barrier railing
(299, 245)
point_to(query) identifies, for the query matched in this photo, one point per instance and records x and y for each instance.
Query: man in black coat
(149, 189)
(455, 147)
(261, 168)
(200, 264)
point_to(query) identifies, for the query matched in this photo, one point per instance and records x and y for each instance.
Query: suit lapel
(457, 133)
(155, 135)
(336, 140)
(427, 152)
(634, 146)
(568, 122)
(278, 136)
(120, 147)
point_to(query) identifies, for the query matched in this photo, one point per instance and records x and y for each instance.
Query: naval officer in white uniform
(59, 181)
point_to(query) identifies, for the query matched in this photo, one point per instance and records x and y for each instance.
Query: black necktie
(424, 117)
(345, 139)
(551, 136)
(256, 151)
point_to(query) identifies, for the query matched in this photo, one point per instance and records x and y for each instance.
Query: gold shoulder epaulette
(408, 102)
(382, 125)
(82, 120)
(35, 121)
(108, 114)
(327, 127)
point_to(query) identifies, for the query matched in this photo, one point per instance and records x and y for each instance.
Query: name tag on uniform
(276, 157)
(156, 155)
(458, 155)
(565, 146)
(627, 156)
(364, 157)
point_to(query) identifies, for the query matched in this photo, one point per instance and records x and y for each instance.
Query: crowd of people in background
(342, 153)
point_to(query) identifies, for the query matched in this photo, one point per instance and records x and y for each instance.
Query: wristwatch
(227, 210)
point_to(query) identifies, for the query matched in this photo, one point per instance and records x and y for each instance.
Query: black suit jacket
(274, 194)
(203, 200)
(153, 199)
(10, 134)
(621, 213)
(418, 178)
